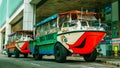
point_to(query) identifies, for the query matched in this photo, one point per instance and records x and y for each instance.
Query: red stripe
(92, 40)
(25, 48)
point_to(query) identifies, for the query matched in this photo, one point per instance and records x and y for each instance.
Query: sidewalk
(110, 60)
(107, 60)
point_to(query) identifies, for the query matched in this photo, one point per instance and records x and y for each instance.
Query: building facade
(15, 16)
(116, 28)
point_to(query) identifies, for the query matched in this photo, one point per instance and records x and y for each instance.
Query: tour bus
(67, 33)
(18, 43)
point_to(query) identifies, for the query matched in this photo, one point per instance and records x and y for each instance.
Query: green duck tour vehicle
(67, 33)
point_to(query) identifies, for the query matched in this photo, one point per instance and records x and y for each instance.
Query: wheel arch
(68, 52)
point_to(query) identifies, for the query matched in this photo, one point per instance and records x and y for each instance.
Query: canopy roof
(20, 31)
(77, 12)
(46, 20)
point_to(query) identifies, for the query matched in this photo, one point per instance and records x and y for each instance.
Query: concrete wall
(28, 15)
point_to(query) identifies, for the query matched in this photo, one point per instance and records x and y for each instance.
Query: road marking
(35, 64)
(81, 66)
(91, 67)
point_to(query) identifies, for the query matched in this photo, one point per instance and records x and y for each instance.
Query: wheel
(91, 57)
(25, 55)
(60, 53)
(17, 53)
(9, 55)
(37, 56)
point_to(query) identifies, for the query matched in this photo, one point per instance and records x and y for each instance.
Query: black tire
(8, 51)
(37, 56)
(91, 57)
(60, 53)
(17, 53)
(25, 55)
(33, 55)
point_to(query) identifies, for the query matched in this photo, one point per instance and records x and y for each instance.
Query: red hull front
(87, 42)
(25, 48)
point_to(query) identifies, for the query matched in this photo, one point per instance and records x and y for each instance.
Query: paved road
(12, 62)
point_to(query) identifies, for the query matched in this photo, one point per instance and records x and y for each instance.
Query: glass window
(63, 18)
(92, 23)
(39, 31)
(83, 23)
(70, 24)
(18, 36)
(73, 23)
(53, 24)
(45, 26)
(65, 24)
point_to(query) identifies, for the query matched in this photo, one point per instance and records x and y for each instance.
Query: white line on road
(35, 64)
(81, 66)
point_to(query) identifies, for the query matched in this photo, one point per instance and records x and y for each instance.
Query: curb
(111, 63)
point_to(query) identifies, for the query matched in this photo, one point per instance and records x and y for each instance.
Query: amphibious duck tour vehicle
(18, 43)
(67, 33)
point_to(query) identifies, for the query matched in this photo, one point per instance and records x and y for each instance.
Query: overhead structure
(46, 8)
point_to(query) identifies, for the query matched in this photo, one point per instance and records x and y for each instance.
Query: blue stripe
(46, 20)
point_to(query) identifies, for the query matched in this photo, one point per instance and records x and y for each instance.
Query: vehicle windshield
(84, 23)
(70, 24)
(90, 23)
(93, 23)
